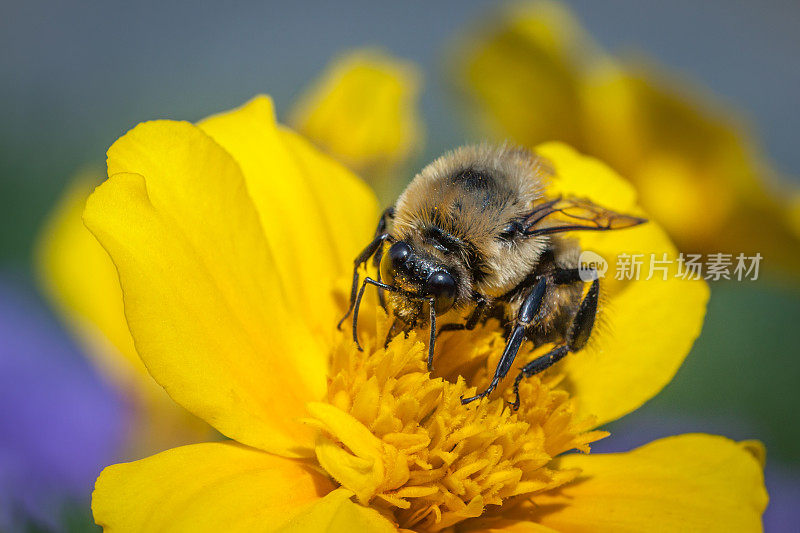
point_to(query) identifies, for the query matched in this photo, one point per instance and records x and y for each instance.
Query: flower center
(400, 439)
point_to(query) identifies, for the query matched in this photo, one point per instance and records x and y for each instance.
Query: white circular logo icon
(591, 266)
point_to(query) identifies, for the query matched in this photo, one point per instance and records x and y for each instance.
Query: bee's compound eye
(442, 287)
(399, 253)
(393, 262)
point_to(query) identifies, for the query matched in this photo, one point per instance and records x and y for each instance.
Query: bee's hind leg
(577, 337)
(527, 312)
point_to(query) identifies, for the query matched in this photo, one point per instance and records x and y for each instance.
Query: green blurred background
(76, 75)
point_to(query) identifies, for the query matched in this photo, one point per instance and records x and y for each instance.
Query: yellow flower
(538, 76)
(233, 240)
(364, 112)
(366, 93)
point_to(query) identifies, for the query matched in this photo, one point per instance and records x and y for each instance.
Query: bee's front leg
(371, 249)
(357, 305)
(527, 312)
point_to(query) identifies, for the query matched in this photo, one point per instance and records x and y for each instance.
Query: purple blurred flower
(59, 423)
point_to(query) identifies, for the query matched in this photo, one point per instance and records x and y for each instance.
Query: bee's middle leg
(577, 337)
(472, 320)
(527, 312)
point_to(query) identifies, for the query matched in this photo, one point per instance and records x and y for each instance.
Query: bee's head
(403, 268)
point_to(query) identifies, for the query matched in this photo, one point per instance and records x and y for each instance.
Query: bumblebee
(475, 232)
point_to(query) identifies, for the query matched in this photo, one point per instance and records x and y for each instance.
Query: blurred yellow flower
(79, 277)
(536, 75)
(364, 112)
(794, 214)
(234, 240)
(366, 93)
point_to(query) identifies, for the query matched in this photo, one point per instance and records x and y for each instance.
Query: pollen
(401, 440)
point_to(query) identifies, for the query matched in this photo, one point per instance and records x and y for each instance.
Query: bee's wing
(571, 214)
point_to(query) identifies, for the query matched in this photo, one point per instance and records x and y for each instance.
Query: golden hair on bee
(475, 229)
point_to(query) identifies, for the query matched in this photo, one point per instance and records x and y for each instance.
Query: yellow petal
(350, 211)
(337, 513)
(202, 295)
(206, 487)
(684, 483)
(315, 214)
(645, 328)
(79, 277)
(363, 112)
(522, 69)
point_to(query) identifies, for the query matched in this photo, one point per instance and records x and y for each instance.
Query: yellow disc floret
(401, 440)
